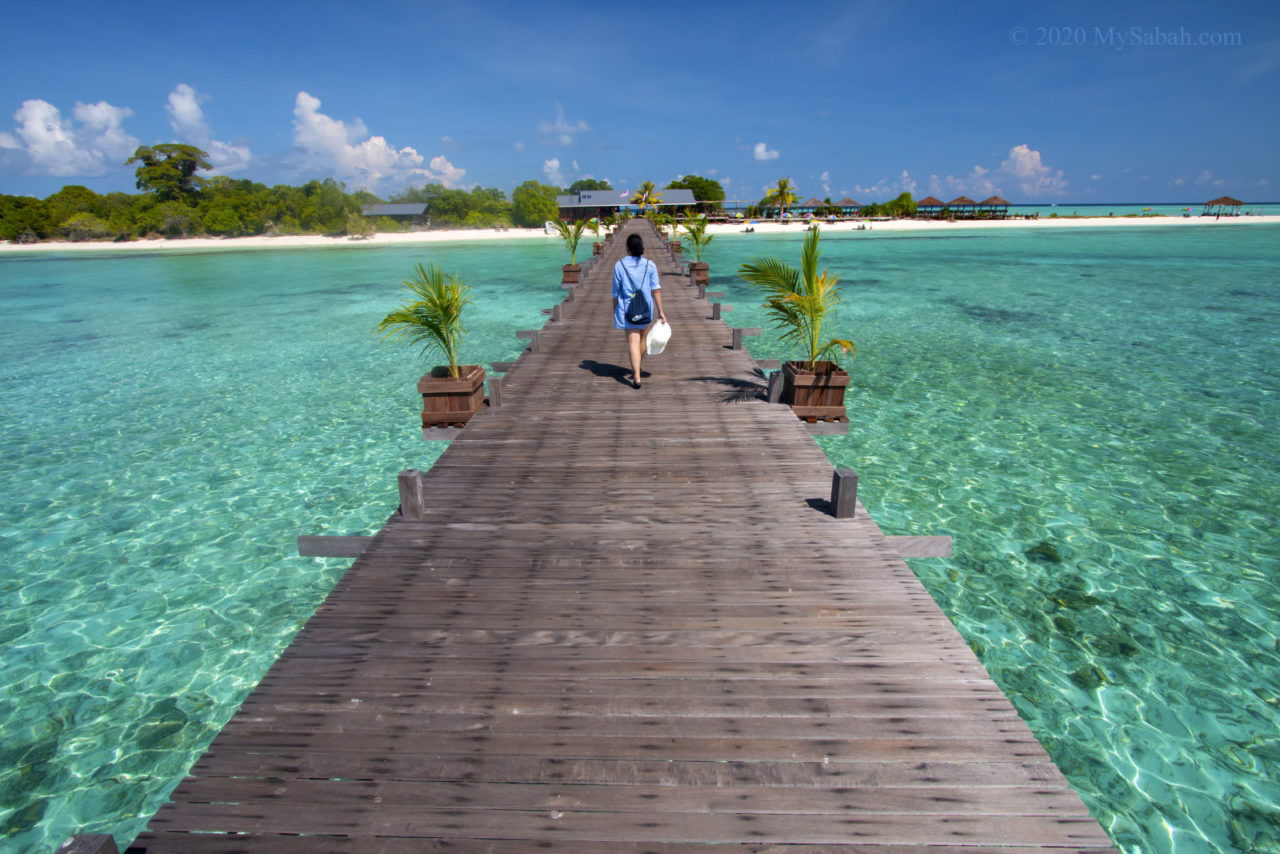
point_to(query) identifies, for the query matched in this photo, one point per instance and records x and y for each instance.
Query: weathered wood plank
(627, 621)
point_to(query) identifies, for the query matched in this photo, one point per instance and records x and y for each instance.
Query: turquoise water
(1090, 413)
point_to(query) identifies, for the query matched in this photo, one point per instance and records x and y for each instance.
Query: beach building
(848, 207)
(930, 207)
(994, 207)
(809, 206)
(962, 207)
(603, 203)
(1222, 206)
(414, 213)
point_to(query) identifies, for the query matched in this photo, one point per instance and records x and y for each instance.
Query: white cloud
(1095, 177)
(887, 188)
(187, 120)
(825, 178)
(1033, 176)
(1206, 177)
(87, 144)
(551, 169)
(764, 152)
(332, 146)
(518, 145)
(561, 129)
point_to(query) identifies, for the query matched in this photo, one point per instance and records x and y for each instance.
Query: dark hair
(635, 245)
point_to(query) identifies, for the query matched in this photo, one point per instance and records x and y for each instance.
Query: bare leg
(635, 346)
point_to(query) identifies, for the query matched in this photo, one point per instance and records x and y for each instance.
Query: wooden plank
(627, 622)
(921, 546)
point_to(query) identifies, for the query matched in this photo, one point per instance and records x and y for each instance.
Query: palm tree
(799, 300)
(697, 230)
(434, 319)
(782, 195)
(647, 196)
(571, 234)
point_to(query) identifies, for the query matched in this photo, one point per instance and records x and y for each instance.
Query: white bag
(656, 340)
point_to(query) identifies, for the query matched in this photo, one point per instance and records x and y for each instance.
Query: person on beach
(633, 273)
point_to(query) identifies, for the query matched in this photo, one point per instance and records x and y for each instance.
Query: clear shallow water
(1090, 414)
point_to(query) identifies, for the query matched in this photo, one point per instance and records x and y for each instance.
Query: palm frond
(434, 318)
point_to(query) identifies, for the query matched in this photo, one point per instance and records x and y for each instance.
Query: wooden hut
(809, 206)
(1222, 206)
(848, 207)
(994, 207)
(958, 207)
(930, 207)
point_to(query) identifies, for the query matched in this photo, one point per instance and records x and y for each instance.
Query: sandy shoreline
(760, 227)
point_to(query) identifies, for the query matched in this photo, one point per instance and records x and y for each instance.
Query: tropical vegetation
(647, 196)
(780, 196)
(571, 234)
(696, 228)
(706, 192)
(434, 318)
(799, 301)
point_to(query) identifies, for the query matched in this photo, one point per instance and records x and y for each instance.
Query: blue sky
(1037, 102)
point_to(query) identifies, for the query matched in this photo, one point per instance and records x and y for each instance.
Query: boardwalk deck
(627, 624)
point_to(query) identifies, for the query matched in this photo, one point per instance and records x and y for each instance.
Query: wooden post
(702, 291)
(495, 392)
(715, 311)
(532, 335)
(89, 843)
(775, 387)
(556, 313)
(412, 500)
(844, 493)
(737, 338)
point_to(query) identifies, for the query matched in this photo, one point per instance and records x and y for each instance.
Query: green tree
(24, 218)
(588, 184)
(532, 204)
(706, 191)
(781, 196)
(903, 206)
(85, 226)
(169, 170)
(647, 196)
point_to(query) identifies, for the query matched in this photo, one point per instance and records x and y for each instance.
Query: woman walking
(635, 273)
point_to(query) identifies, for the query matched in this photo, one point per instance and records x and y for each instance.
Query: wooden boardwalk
(627, 624)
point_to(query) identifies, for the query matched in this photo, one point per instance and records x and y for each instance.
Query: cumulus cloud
(332, 146)
(888, 187)
(1033, 176)
(1207, 178)
(551, 169)
(561, 129)
(86, 144)
(825, 178)
(187, 120)
(764, 152)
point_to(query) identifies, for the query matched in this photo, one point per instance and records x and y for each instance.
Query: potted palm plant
(798, 301)
(571, 234)
(696, 228)
(451, 393)
(596, 227)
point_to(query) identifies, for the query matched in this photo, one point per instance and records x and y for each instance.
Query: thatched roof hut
(847, 204)
(1222, 206)
(962, 202)
(930, 202)
(995, 206)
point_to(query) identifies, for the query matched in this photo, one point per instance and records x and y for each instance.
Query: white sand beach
(759, 226)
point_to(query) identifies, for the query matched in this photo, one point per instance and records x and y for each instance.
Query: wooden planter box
(815, 395)
(700, 274)
(597, 248)
(447, 401)
(571, 274)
